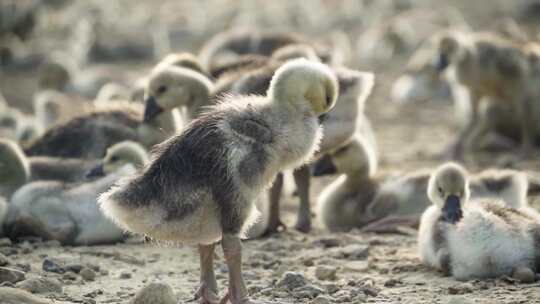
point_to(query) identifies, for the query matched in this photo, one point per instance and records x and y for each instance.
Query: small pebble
(71, 276)
(154, 293)
(40, 285)
(50, 265)
(4, 260)
(11, 275)
(74, 267)
(292, 280)
(524, 275)
(308, 291)
(321, 300)
(125, 275)
(87, 274)
(5, 242)
(326, 273)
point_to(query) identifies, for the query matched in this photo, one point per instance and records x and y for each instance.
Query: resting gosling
(200, 186)
(17, 169)
(342, 204)
(69, 213)
(479, 238)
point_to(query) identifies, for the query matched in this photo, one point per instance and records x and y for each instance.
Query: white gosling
(476, 238)
(200, 186)
(69, 213)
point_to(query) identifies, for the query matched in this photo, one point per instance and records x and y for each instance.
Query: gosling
(200, 185)
(487, 66)
(69, 212)
(479, 238)
(171, 87)
(343, 203)
(17, 169)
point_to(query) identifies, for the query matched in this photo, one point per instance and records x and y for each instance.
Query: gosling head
(303, 84)
(119, 155)
(183, 60)
(294, 51)
(450, 47)
(353, 159)
(47, 107)
(448, 189)
(170, 87)
(112, 92)
(14, 168)
(53, 75)
(28, 132)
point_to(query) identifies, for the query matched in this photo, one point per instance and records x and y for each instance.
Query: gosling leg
(458, 148)
(527, 127)
(207, 293)
(302, 178)
(274, 221)
(232, 250)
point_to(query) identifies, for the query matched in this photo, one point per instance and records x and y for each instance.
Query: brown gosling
(488, 67)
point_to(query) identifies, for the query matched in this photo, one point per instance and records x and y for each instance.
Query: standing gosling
(200, 186)
(481, 238)
(487, 66)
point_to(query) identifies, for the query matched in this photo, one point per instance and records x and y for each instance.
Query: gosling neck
(19, 174)
(355, 178)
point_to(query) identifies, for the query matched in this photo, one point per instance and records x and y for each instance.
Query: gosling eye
(115, 159)
(161, 89)
(440, 190)
(341, 150)
(328, 100)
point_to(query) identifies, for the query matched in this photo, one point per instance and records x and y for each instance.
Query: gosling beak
(451, 211)
(442, 62)
(324, 166)
(322, 118)
(97, 171)
(151, 109)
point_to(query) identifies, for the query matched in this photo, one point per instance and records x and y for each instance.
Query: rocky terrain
(289, 267)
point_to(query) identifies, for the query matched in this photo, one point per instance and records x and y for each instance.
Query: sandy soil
(338, 268)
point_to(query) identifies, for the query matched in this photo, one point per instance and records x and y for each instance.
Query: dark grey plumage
(88, 136)
(194, 159)
(52, 168)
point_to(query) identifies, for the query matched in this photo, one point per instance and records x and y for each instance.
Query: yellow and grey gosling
(200, 185)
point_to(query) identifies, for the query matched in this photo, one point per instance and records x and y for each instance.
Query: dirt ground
(349, 267)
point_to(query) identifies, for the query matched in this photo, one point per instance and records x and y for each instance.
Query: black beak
(322, 118)
(451, 211)
(151, 109)
(442, 62)
(324, 166)
(97, 171)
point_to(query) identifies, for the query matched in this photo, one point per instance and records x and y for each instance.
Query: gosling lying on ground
(69, 213)
(200, 186)
(479, 238)
(89, 135)
(17, 169)
(382, 202)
